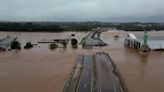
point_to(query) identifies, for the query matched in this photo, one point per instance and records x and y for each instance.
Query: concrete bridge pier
(132, 44)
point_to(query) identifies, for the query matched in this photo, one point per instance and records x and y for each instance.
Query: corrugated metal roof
(6, 42)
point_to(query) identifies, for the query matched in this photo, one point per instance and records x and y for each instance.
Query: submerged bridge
(95, 73)
(93, 38)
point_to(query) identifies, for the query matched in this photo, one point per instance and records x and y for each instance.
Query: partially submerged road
(95, 73)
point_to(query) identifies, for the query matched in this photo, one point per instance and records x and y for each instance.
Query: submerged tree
(64, 44)
(74, 43)
(53, 46)
(28, 45)
(15, 45)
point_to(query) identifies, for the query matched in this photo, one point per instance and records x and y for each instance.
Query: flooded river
(43, 70)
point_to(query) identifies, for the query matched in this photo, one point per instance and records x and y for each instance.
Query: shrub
(15, 45)
(28, 45)
(74, 43)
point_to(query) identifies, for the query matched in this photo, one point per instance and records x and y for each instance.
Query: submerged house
(5, 43)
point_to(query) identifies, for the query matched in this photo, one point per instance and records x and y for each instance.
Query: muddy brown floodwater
(43, 70)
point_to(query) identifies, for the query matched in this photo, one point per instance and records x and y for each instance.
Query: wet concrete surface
(98, 74)
(106, 76)
(85, 81)
(43, 70)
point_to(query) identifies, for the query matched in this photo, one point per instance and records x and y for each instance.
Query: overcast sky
(82, 10)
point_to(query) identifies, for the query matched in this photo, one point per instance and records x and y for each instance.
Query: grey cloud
(82, 10)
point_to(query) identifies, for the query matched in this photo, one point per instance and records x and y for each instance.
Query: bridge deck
(107, 80)
(95, 73)
(93, 39)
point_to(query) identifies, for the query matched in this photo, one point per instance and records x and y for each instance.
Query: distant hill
(75, 26)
